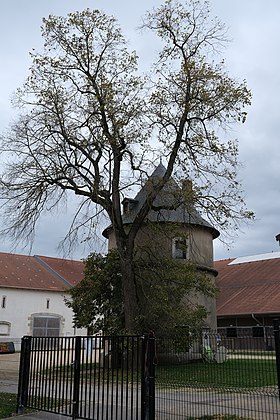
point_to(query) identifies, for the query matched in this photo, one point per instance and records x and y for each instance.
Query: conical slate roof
(168, 205)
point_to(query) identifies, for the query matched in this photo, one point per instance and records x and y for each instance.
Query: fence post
(143, 377)
(148, 378)
(24, 368)
(276, 331)
(76, 385)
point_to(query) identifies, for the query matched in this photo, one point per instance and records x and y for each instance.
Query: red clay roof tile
(250, 287)
(28, 272)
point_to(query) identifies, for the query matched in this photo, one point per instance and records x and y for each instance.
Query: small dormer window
(128, 205)
(180, 248)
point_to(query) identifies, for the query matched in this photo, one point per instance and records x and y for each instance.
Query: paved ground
(9, 383)
(39, 416)
(168, 402)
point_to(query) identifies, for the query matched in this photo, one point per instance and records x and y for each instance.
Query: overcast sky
(253, 54)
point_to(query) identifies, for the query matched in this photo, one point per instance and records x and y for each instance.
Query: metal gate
(113, 377)
(100, 377)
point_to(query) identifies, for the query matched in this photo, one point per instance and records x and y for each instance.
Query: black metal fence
(86, 377)
(202, 375)
(186, 376)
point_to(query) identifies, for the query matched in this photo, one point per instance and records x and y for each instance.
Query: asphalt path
(178, 403)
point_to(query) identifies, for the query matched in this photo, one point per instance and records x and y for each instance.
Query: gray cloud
(253, 54)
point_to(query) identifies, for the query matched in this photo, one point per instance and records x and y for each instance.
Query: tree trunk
(131, 303)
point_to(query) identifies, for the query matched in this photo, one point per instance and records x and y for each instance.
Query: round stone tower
(173, 228)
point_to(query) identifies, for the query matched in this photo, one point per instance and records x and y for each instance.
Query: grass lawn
(218, 417)
(233, 373)
(8, 404)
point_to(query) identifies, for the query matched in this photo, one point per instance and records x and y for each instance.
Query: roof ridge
(52, 271)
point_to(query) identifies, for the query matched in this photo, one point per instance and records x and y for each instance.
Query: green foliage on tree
(97, 301)
(91, 123)
(164, 288)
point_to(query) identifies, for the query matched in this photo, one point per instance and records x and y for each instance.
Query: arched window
(46, 325)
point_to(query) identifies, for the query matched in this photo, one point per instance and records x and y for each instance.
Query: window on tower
(180, 248)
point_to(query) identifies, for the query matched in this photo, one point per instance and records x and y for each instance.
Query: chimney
(187, 190)
(187, 185)
(277, 237)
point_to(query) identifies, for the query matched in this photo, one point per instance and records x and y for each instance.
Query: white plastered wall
(21, 304)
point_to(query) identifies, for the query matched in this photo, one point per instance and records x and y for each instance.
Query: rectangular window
(44, 326)
(5, 328)
(3, 302)
(48, 304)
(180, 248)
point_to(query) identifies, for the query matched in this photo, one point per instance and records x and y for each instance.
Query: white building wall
(21, 305)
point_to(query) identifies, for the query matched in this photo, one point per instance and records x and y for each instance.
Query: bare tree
(90, 125)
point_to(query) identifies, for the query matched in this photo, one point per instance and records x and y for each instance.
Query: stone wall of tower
(157, 239)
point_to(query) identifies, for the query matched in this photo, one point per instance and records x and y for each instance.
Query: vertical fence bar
(276, 331)
(144, 340)
(76, 385)
(151, 368)
(138, 378)
(148, 378)
(23, 374)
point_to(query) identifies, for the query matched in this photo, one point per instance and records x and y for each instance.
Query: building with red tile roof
(39, 272)
(32, 295)
(249, 291)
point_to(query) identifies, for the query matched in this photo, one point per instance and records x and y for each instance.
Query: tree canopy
(90, 125)
(97, 301)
